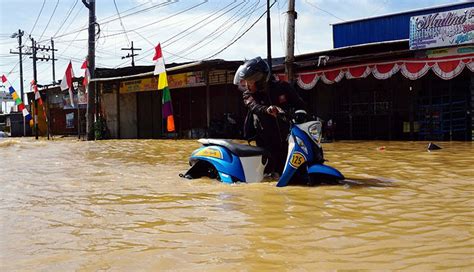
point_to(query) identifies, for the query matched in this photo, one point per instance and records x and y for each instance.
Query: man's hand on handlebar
(274, 110)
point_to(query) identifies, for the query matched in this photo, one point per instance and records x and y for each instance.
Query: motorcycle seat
(240, 150)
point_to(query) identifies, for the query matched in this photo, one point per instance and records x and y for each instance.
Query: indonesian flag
(166, 106)
(159, 61)
(36, 92)
(87, 75)
(66, 83)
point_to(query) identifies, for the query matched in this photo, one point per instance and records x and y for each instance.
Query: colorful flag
(18, 102)
(167, 106)
(66, 83)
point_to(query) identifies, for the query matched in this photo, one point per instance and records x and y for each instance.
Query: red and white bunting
(413, 69)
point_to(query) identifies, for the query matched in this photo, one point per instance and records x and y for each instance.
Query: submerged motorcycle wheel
(321, 179)
(201, 169)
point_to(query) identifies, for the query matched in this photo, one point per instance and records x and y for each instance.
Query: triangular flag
(66, 83)
(87, 75)
(84, 64)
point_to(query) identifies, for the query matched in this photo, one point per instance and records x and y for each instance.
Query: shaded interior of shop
(190, 112)
(397, 108)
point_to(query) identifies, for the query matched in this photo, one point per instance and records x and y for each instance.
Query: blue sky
(205, 28)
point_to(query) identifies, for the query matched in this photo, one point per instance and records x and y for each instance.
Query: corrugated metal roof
(383, 28)
(455, 6)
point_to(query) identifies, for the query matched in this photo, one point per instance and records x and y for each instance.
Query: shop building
(405, 76)
(205, 102)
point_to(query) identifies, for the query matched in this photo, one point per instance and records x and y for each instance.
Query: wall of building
(149, 121)
(128, 116)
(109, 109)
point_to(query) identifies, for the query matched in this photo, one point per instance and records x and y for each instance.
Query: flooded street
(119, 205)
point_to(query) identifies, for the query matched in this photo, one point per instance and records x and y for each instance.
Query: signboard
(453, 51)
(441, 29)
(139, 85)
(5, 96)
(184, 80)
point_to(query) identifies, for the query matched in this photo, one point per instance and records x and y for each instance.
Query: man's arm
(253, 106)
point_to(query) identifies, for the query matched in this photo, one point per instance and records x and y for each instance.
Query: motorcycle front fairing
(226, 163)
(300, 152)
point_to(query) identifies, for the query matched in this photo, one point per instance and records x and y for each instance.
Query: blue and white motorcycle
(231, 162)
(227, 161)
(305, 160)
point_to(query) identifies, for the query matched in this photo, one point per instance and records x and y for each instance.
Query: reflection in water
(120, 205)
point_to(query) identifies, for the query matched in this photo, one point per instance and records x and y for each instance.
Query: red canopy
(413, 69)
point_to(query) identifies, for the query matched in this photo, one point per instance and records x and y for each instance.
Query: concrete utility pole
(131, 55)
(54, 70)
(35, 77)
(19, 35)
(91, 61)
(269, 38)
(290, 42)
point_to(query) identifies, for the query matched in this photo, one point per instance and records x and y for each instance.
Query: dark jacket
(269, 132)
(278, 93)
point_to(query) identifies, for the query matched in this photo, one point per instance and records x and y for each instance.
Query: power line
(179, 54)
(203, 21)
(67, 17)
(49, 21)
(169, 2)
(220, 30)
(160, 20)
(121, 23)
(238, 38)
(316, 7)
(41, 10)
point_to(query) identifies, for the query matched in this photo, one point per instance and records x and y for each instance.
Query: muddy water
(120, 206)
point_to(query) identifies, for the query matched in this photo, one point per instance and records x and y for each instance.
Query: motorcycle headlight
(302, 145)
(315, 132)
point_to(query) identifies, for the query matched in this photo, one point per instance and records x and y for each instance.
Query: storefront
(377, 87)
(65, 118)
(205, 102)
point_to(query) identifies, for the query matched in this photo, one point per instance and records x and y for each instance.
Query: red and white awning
(446, 68)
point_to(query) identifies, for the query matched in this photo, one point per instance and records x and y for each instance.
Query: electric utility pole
(35, 77)
(290, 42)
(52, 53)
(131, 55)
(91, 62)
(35, 58)
(19, 35)
(269, 38)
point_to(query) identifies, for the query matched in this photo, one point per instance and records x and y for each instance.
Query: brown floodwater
(119, 205)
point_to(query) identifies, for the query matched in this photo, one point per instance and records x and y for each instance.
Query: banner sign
(139, 85)
(184, 80)
(441, 29)
(452, 51)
